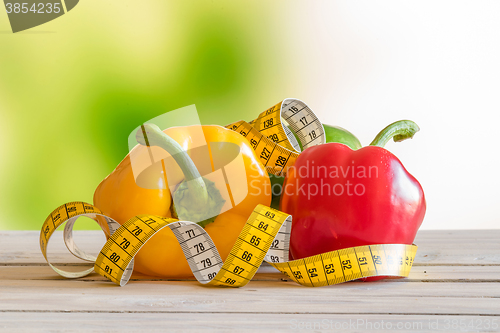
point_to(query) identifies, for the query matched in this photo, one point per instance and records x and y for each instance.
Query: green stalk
(196, 199)
(398, 131)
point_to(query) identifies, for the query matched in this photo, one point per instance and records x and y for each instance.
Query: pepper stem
(196, 199)
(398, 131)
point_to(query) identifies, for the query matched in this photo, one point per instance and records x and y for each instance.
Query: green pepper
(341, 135)
(276, 188)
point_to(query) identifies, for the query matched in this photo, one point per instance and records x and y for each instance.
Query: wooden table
(454, 286)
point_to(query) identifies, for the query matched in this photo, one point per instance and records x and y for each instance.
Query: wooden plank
(455, 273)
(257, 297)
(471, 234)
(454, 285)
(458, 247)
(248, 322)
(23, 247)
(481, 247)
(268, 273)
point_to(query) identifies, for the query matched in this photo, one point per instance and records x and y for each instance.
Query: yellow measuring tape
(264, 237)
(273, 141)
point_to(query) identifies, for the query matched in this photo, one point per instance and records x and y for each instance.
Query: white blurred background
(434, 62)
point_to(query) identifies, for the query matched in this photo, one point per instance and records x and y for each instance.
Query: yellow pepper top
(121, 196)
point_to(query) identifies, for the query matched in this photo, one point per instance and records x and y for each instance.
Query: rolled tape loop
(273, 141)
(69, 213)
(264, 237)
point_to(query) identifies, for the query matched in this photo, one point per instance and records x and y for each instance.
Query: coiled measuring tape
(274, 142)
(264, 237)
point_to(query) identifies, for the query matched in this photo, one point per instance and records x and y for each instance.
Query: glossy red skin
(389, 212)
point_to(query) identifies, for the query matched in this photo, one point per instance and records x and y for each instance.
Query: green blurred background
(72, 90)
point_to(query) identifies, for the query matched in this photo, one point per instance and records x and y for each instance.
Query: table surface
(454, 286)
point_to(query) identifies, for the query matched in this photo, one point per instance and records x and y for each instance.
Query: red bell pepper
(341, 198)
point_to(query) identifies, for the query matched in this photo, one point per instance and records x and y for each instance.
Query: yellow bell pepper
(121, 196)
